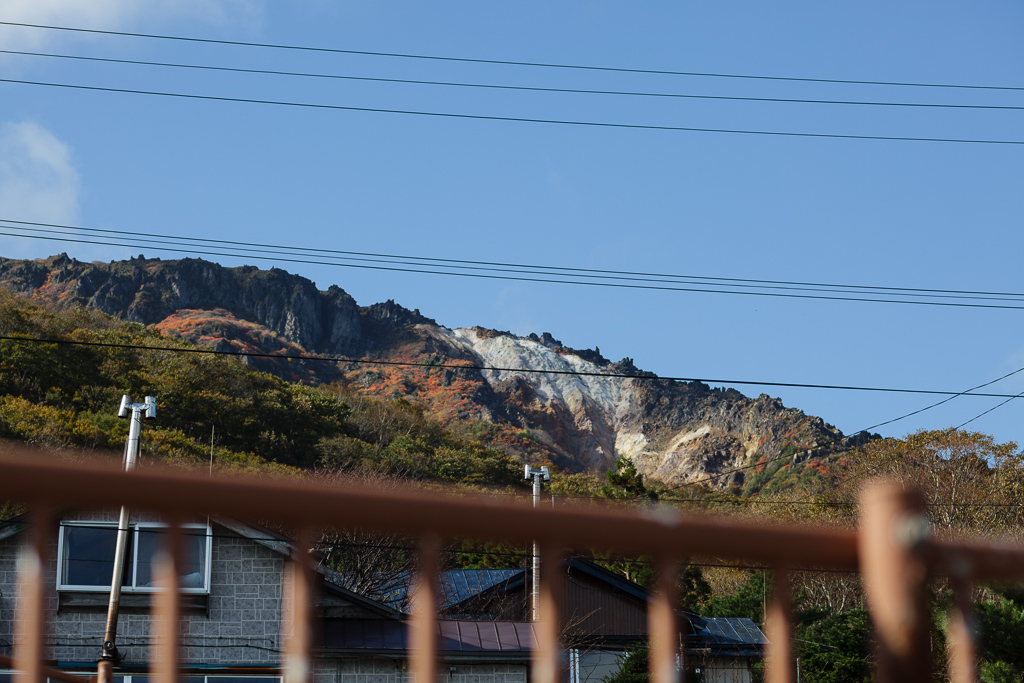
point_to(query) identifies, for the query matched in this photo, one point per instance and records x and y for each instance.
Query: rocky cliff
(575, 408)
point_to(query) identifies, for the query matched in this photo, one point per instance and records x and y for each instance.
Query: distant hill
(673, 431)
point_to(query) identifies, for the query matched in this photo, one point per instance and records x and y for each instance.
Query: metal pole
(109, 652)
(539, 476)
(535, 592)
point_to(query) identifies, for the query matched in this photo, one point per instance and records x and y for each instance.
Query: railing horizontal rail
(302, 504)
(989, 562)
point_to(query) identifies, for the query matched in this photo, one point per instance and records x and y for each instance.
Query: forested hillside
(212, 408)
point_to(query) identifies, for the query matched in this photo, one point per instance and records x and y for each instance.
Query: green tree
(624, 482)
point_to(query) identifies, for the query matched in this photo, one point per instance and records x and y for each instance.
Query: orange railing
(893, 551)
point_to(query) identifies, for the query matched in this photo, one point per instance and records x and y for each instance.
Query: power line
(185, 247)
(871, 468)
(481, 368)
(520, 88)
(557, 270)
(501, 62)
(769, 461)
(513, 119)
(946, 400)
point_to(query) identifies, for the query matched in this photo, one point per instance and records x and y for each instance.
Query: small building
(232, 587)
(606, 618)
(231, 603)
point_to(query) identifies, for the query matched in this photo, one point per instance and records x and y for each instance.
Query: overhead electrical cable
(504, 62)
(966, 392)
(554, 278)
(588, 272)
(512, 119)
(946, 400)
(481, 368)
(494, 86)
(874, 467)
(528, 270)
(251, 249)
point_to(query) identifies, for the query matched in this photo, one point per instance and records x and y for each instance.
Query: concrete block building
(231, 628)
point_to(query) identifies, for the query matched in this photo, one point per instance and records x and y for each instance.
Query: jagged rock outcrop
(580, 408)
(150, 290)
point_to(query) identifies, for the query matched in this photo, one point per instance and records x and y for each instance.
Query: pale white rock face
(507, 352)
(630, 445)
(687, 437)
(594, 419)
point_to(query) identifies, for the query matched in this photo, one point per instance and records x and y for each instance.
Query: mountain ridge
(676, 432)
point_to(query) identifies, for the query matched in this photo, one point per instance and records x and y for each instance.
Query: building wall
(723, 669)
(243, 625)
(594, 610)
(368, 670)
(242, 628)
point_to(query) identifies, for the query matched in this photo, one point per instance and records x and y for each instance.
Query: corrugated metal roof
(737, 635)
(455, 586)
(459, 584)
(500, 639)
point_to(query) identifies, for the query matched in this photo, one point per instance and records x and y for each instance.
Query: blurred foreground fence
(893, 550)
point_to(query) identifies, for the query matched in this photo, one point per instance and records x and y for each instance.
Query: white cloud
(113, 15)
(38, 182)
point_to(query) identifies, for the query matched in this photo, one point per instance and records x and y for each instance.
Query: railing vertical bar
(547, 659)
(29, 646)
(893, 541)
(963, 662)
(779, 627)
(167, 605)
(664, 630)
(424, 636)
(298, 666)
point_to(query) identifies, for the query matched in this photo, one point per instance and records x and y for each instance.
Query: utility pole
(109, 655)
(538, 475)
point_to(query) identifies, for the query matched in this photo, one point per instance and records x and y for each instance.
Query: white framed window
(85, 554)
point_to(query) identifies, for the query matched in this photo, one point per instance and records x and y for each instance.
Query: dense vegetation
(212, 409)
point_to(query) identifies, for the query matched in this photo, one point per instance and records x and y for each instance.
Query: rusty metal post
(893, 541)
(30, 644)
(424, 636)
(963, 628)
(661, 622)
(167, 606)
(779, 627)
(547, 658)
(298, 650)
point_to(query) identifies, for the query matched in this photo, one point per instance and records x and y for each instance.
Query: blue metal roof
(382, 636)
(460, 584)
(455, 586)
(728, 633)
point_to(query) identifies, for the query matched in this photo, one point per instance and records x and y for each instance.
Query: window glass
(88, 556)
(193, 563)
(193, 566)
(149, 546)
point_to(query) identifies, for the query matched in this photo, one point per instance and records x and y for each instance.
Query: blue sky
(823, 210)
